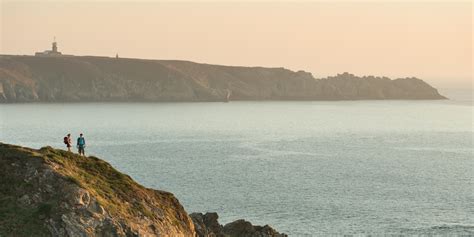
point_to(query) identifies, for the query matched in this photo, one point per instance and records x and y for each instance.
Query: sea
(307, 168)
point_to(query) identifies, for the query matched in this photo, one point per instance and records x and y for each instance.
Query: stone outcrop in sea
(207, 225)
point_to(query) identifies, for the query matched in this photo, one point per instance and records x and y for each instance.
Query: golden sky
(432, 41)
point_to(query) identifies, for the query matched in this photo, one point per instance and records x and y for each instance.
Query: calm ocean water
(306, 168)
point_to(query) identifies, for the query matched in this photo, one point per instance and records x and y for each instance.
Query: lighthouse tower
(55, 46)
(53, 52)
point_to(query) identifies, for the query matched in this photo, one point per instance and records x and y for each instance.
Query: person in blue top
(81, 144)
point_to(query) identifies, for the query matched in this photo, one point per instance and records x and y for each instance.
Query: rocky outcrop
(48, 192)
(207, 225)
(84, 79)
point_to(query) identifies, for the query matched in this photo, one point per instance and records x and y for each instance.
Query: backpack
(66, 140)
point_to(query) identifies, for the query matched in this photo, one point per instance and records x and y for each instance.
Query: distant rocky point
(207, 225)
(50, 192)
(102, 79)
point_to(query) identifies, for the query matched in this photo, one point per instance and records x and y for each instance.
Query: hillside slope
(49, 192)
(100, 79)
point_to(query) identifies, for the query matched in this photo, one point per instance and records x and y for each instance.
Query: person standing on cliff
(68, 142)
(81, 144)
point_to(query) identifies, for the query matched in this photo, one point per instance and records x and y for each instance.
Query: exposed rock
(81, 79)
(245, 228)
(207, 225)
(25, 200)
(49, 192)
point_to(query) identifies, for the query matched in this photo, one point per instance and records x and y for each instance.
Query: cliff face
(83, 79)
(49, 192)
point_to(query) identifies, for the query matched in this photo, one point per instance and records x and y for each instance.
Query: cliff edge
(50, 192)
(102, 79)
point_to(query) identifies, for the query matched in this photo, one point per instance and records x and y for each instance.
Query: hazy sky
(432, 41)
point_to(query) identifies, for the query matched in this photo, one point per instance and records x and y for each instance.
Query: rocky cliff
(94, 79)
(49, 192)
(207, 225)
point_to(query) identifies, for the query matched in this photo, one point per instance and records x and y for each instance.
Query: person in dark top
(81, 144)
(68, 142)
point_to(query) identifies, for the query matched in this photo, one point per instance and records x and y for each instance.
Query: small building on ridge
(53, 52)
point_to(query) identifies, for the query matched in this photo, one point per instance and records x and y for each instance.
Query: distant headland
(51, 76)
